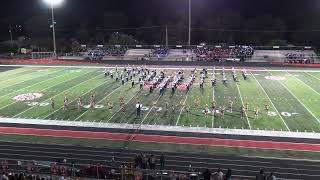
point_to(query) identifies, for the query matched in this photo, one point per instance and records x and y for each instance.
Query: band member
(187, 109)
(230, 104)
(206, 111)
(222, 110)
(132, 82)
(52, 103)
(246, 106)
(79, 103)
(242, 111)
(256, 112)
(141, 84)
(138, 107)
(213, 105)
(267, 107)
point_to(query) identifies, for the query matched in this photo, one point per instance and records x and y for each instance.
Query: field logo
(275, 78)
(28, 96)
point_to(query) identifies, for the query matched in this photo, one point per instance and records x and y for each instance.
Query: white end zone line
(305, 84)
(58, 93)
(243, 105)
(272, 103)
(298, 100)
(184, 102)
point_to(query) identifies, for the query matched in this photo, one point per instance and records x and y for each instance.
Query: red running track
(164, 139)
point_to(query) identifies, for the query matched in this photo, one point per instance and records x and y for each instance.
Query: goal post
(42, 55)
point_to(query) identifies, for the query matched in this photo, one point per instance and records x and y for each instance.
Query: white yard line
(76, 119)
(305, 84)
(149, 112)
(33, 84)
(298, 100)
(184, 102)
(312, 75)
(272, 103)
(76, 99)
(243, 105)
(60, 92)
(120, 108)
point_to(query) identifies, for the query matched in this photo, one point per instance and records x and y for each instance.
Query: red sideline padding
(43, 61)
(164, 139)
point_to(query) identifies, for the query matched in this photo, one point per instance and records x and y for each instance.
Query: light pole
(52, 3)
(189, 34)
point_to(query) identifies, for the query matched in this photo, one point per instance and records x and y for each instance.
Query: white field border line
(313, 75)
(148, 113)
(243, 105)
(164, 67)
(76, 119)
(58, 93)
(305, 84)
(299, 100)
(100, 84)
(272, 103)
(121, 108)
(184, 102)
(34, 84)
(40, 90)
(37, 76)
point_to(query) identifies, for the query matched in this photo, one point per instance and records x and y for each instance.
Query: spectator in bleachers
(218, 175)
(206, 174)
(160, 52)
(228, 175)
(261, 175)
(271, 177)
(162, 161)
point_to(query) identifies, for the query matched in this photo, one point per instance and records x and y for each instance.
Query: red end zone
(164, 139)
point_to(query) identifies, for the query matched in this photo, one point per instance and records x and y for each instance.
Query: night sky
(293, 12)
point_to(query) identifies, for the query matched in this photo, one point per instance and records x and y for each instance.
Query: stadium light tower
(53, 3)
(189, 33)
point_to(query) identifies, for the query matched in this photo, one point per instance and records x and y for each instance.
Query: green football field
(293, 96)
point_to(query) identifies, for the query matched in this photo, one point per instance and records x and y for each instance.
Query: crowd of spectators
(223, 53)
(160, 52)
(299, 58)
(142, 165)
(102, 51)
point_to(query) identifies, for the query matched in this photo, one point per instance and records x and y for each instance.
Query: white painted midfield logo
(275, 78)
(27, 97)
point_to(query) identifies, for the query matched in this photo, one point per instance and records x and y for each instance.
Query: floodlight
(53, 2)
